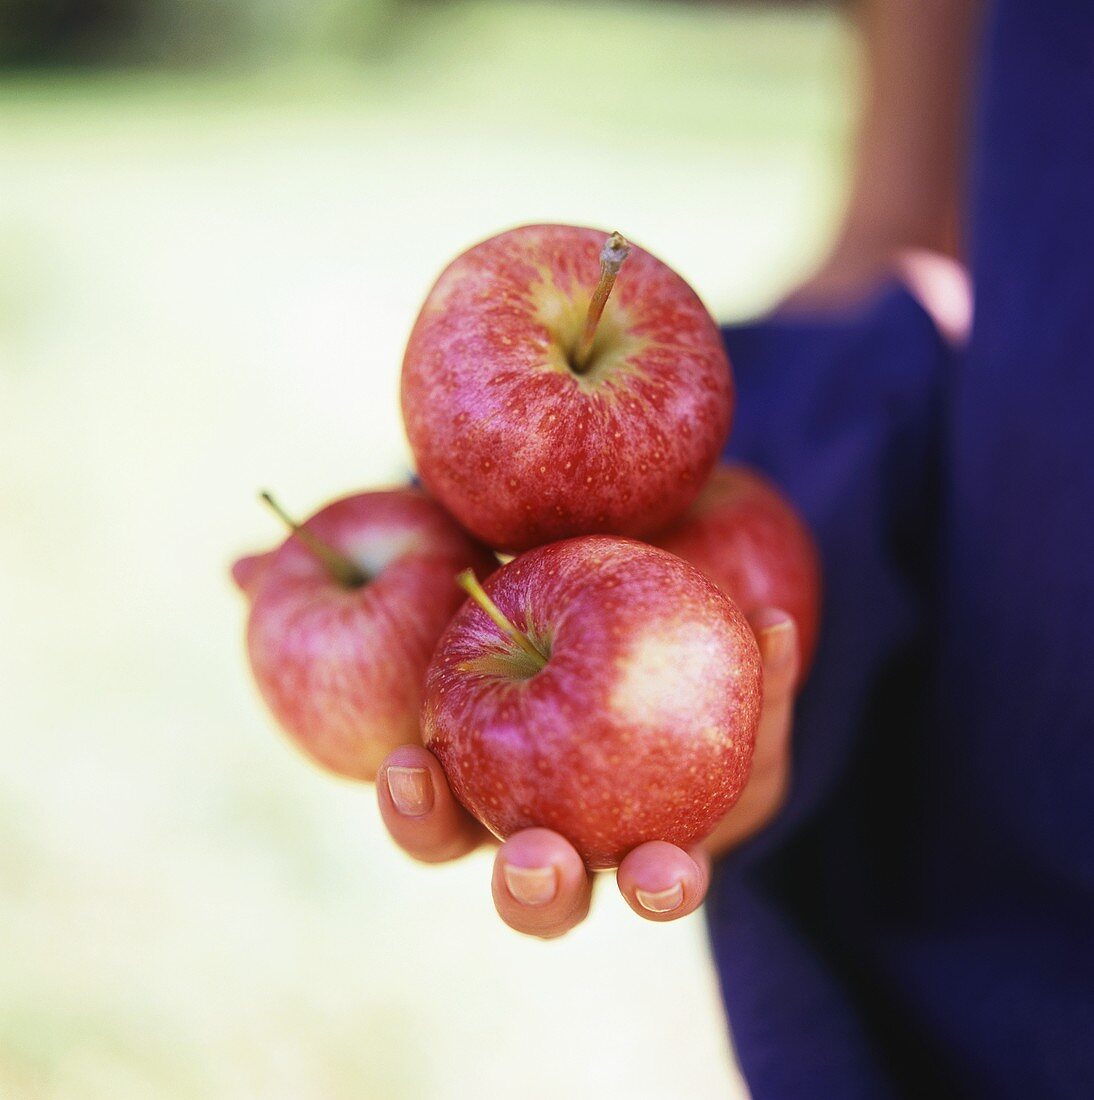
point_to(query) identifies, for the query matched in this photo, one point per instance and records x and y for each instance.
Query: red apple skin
(639, 727)
(520, 448)
(342, 668)
(748, 538)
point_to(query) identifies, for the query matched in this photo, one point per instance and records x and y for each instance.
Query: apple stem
(346, 572)
(614, 252)
(470, 584)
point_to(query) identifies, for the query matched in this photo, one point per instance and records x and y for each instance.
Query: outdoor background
(217, 222)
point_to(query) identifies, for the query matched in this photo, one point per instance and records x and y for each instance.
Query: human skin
(905, 192)
(540, 885)
(748, 539)
(904, 197)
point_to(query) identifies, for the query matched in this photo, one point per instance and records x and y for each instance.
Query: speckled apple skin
(519, 448)
(639, 727)
(342, 669)
(748, 538)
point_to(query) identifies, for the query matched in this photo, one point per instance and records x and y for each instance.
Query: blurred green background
(217, 221)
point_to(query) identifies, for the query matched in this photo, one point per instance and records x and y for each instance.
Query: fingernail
(411, 790)
(661, 901)
(531, 885)
(776, 642)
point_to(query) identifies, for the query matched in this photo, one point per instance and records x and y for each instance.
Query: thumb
(780, 654)
(765, 792)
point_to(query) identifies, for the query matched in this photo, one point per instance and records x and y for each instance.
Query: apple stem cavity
(346, 572)
(470, 584)
(614, 252)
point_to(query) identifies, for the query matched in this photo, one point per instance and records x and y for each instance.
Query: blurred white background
(207, 280)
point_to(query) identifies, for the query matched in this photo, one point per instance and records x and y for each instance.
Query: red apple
(598, 687)
(344, 617)
(748, 539)
(538, 408)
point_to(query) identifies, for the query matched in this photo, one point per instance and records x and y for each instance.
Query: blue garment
(920, 920)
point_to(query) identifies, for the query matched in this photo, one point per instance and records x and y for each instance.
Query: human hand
(540, 885)
(856, 268)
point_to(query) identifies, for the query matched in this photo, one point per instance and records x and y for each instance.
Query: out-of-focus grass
(206, 284)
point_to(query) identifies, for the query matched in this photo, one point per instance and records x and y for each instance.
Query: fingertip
(540, 885)
(767, 618)
(779, 644)
(406, 781)
(409, 756)
(662, 882)
(419, 809)
(532, 887)
(248, 571)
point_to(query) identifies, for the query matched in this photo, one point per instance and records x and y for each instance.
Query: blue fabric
(920, 919)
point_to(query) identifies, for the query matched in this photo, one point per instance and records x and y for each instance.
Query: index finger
(419, 809)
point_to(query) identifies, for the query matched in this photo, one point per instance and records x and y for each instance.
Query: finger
(662, 882)
(942, 287)
(780, 654)
(419, 809)
(249, 570)
(540, 885)
(769, 780)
